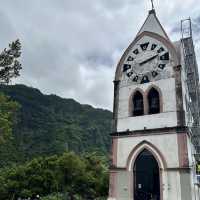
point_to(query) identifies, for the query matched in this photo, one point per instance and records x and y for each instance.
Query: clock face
(145, 62)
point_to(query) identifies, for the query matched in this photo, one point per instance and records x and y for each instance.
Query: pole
(152, 4)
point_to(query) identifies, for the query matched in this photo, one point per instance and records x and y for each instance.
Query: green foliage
(54, 197)
(77, 177)
(9, 64)
(49, 125)
(8, 110)
(198, 168)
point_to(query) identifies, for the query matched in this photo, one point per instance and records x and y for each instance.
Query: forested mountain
(48, 125)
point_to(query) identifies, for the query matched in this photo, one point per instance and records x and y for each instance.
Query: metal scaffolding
(192, 83)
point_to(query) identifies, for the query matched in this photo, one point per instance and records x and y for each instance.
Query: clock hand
(146, 61)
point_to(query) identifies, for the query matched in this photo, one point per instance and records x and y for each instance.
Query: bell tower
(152, 152)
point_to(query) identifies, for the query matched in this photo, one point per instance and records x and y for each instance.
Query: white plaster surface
(162, 120)
(167, 145)
(174, 187)
(168, 118)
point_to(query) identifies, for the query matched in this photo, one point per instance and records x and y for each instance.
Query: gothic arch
(145, 145)
(160, 97)
(131, 103)
(166, 42)
(151, 148)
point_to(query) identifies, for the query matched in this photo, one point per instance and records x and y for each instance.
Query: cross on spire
(152, 4)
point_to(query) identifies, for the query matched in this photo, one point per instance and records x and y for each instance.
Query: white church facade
(152, 150)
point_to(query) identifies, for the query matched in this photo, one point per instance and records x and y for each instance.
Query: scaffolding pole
(192, 83)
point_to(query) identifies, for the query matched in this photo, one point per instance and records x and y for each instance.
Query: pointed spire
(152, 24)
(152, 11)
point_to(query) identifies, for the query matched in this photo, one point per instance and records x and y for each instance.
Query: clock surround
(145, 61)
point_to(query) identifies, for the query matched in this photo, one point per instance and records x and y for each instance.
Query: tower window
(138, 104)
(154, 101)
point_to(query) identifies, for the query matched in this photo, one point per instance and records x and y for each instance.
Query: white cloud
(71, 47)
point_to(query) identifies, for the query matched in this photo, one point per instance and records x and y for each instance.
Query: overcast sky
(71, 47)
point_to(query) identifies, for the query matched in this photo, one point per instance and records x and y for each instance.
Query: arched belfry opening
(138, 104)
(153, 101)
(146, 177)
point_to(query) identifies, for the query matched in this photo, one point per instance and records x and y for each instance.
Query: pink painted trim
(183, 150)
(114, 151)
(113, 174)
(112, 185)
(143, 134)
(153, 147)
(131, 186)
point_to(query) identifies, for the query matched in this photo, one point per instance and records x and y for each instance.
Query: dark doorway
(146, 177)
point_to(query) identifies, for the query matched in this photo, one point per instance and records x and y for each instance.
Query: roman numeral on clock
(130, 58)
(129, 74)
(161, 66)
(136, 51)
(145, 79)
(153, 46)
(144, 46)
(154, 74)
(135, 79)
(165, 56)
(161, 50)
(126, 67)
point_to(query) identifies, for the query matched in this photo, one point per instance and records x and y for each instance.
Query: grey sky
(71, 47)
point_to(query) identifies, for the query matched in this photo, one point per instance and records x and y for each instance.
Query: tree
(9, 68)
(68, 176)
(9, 64)
(8, 109)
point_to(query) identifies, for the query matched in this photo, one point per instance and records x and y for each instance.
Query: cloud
(71, 47)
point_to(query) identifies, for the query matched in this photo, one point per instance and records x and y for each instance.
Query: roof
(152, 24)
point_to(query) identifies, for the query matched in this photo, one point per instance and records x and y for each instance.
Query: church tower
(152, 150)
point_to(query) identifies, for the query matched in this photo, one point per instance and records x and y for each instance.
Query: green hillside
(48, 125)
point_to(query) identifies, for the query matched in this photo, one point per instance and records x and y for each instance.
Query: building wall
(167, 145)
(168, 117)
(187, 187)
(177, 183)
(174, 187)
(177, 171)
